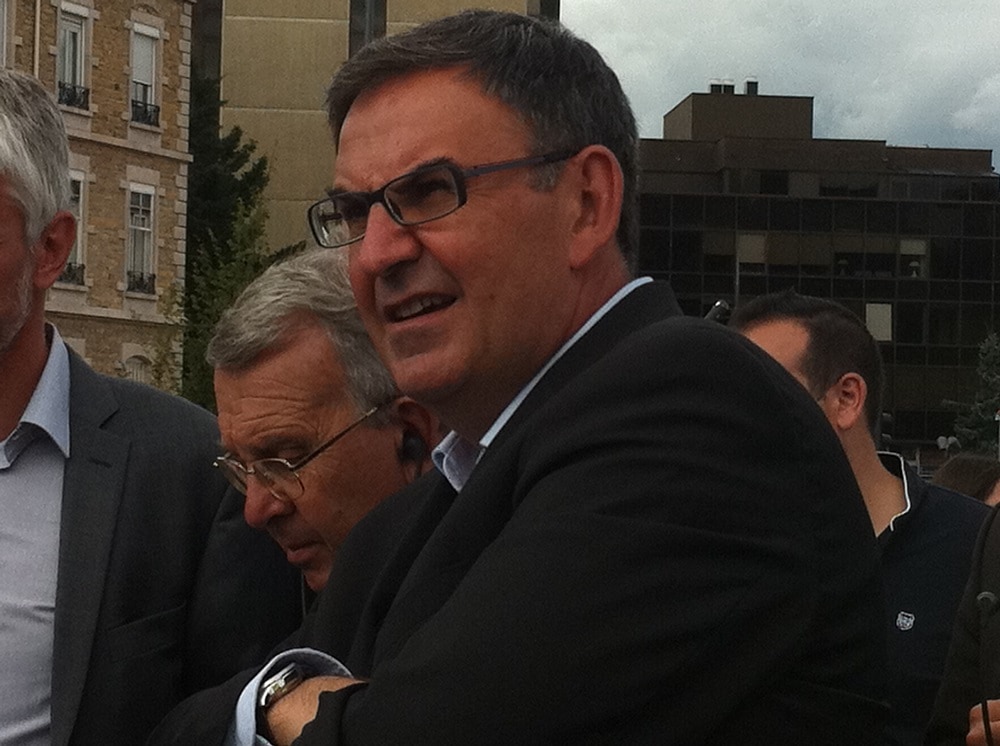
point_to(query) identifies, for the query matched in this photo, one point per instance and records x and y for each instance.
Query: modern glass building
(739, 199)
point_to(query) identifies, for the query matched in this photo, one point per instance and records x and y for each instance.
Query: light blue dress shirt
(32, 460)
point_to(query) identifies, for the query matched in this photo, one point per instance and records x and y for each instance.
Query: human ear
(847, 398)
(52, 249)
(597, 183)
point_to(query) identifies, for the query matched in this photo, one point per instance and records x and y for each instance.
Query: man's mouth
(419, 307)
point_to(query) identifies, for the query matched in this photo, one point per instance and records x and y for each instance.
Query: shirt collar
(48, 408)
(897, 466)
(455, 457)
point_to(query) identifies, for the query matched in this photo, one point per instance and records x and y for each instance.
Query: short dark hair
(969, 473)
(839, 343)
(558, 84)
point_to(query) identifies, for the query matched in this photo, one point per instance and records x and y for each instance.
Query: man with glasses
(315, 431)
(636, 532)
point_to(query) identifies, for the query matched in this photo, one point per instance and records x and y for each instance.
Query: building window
(145, 110)
(878, 319)
(73, 271)
(138, 369)
(72, 52)
(367, 22)
(139, 261)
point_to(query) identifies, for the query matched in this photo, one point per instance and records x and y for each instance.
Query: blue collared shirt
(32, 459)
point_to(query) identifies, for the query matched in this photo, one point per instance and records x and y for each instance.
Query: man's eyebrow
(271, 445)
(442, 160)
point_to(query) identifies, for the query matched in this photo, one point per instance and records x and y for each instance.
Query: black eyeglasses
(424, 194)
(277, 474)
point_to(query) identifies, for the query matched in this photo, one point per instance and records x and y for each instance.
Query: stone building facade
(120, 70)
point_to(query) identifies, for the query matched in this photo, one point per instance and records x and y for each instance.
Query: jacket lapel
(483, 507)
(93, 484)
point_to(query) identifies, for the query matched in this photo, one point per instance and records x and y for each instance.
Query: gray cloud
(911, 72)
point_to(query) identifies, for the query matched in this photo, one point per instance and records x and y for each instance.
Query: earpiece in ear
(413, 448)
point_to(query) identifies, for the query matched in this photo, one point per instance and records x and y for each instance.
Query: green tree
(225, 231)
(975, 425)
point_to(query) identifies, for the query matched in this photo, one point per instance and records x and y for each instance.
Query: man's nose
(260, 506)
(385, 244)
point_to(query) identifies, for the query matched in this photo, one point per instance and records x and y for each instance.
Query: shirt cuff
(243, 730)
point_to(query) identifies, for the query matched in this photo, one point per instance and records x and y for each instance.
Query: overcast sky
(910, 72)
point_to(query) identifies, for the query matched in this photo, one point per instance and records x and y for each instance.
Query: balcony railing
(72, 273)
(76, 96)
(141, 282)
(144, 113)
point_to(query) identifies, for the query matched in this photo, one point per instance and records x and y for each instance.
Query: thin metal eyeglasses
(419, 196)
(278, 475)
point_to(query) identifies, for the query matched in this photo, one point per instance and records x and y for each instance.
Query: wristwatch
(277, 686)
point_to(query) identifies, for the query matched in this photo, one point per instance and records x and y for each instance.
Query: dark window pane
(654, 209)
(910, 288)
(977, 322)
(945, 219)
(785, 215)
(881, 217)
(977, 259)
(978, 220)
(848, 288)
(942, 324)
(909, 425)
(945, 290)
(817, 286)
(946, 258)
(654, 249)
(816, 215)
(849, 215)
(910, 323)
(774, 182)
(685, 251)
(913, 218)
(720, 212)
(752, 213)
(687, 212)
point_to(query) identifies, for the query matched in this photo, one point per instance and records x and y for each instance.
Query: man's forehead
(421, 117)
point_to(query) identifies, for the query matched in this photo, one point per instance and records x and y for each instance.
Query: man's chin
(316, 577)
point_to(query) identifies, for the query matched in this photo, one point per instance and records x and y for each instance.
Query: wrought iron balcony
(72, 273)
(141, 282)
(76, 96)
(145, 113)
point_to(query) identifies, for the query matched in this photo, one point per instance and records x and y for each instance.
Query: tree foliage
(226, 249)
(975, 425)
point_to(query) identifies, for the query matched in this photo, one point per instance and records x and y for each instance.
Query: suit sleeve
(671, 523)
(962, 685)
(246, 599)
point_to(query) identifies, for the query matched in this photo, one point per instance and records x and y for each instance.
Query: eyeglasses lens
(422, 196)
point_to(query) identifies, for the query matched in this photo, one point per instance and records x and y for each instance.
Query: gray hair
(34, 154)
(310, 287)
(557, 83)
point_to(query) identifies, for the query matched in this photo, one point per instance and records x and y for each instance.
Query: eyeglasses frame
(459, 175)
(226, 460)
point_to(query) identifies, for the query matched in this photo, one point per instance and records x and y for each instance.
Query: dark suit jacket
(162, 588)
(664, 545)
(972, 671)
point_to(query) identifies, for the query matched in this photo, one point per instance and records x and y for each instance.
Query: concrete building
(739, 199)
(275, 60)
(120, 71)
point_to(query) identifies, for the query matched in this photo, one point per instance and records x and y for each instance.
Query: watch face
(277, 686)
